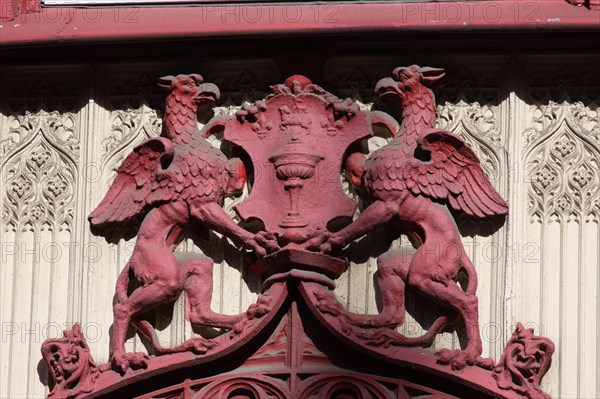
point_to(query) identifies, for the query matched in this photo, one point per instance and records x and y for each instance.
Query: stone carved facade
(351, 292)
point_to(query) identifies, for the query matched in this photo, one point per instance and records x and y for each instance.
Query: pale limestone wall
(533, 121)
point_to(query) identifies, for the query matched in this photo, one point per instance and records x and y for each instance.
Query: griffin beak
(386, 87)
(208, 92)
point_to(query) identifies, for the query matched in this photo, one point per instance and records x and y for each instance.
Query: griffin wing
(452, 174)
(136, 180)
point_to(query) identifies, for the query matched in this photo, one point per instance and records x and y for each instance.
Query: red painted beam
(43, 26)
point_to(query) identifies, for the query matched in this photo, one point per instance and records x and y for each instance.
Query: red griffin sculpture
(295, 140)
(416, 181)
(174, 180)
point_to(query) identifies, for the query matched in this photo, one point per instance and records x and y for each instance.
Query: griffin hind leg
(142, 299)
(198, 275)
(155, 267)
(452, 296)
(392, 269)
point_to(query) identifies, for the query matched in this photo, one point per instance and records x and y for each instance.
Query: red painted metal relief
(298, 340)
(71, 364)
(415, 182)
(524, 363)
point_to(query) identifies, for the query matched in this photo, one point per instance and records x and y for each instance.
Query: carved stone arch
(133, 101)
(128, 129)
(133, 117)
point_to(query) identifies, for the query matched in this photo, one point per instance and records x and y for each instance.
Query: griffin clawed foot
(267, 241)
(459, 359)
(121, 362)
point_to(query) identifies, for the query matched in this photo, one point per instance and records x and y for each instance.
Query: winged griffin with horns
(417, 181)
(293, 143)
(174, 182)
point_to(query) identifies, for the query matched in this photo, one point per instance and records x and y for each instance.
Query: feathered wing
(129, 194)
(453, 174)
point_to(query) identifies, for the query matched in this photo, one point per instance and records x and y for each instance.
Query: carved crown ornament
(292, 148)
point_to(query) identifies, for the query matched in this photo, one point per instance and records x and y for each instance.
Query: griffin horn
(197, 78)
(165, 82)
(432, 75)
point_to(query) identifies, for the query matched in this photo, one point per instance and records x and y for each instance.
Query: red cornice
(23, 22)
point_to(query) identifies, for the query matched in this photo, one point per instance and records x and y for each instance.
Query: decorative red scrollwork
(71, 364)
(524, 363)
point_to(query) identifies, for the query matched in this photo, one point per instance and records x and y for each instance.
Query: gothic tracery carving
(39, 164)
(563, 152)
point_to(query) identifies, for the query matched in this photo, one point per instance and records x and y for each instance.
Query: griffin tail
(122, 283)
(471, 274)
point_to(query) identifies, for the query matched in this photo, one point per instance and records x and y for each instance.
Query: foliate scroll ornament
(127, 126)
(71, 364)
(524, 363)
(58, 128)
(545, 117)
(133, 117)
(478, 125)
